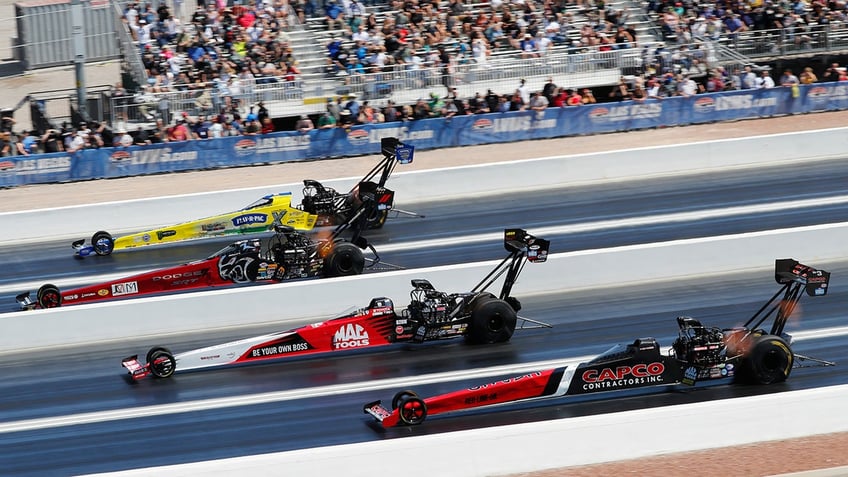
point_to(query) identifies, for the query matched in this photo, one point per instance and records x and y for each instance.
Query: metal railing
(783, 43)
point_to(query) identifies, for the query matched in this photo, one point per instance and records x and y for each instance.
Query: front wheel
(49, 296)
(344, 259)
(412, 410)
(400, 396)
(162, 363)
(103, 243)
(492, 321)
(769, 361)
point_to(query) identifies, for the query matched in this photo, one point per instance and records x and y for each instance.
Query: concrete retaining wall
(149, 317)
(439, 184)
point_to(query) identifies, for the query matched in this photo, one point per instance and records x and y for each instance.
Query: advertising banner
(423, 134)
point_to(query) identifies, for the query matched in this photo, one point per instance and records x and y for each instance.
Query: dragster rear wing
(815, 282)
(793, 277)
(518, 240)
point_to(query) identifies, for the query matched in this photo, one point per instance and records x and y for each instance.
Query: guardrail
(420, 186)
(159, 317)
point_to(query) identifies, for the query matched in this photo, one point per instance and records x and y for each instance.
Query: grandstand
(585, 51)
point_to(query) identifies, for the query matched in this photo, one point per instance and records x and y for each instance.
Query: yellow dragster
(260, 216)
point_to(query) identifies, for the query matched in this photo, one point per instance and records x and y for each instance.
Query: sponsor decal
(625, 112)
(213, 227)
(278, 217)
(623, 376)
(704, 105)
(161, 234)
(45, 165)
(273, 350)
(244, 147)
(817, 92)
(690, 376)
(247, 219)
(399, 330)
(267, 145)
(103, 292)
(535, 374)
(86, 295)
(598, 113)
(119, 156)
(521, 123)
(177, 276)
(482, 125)
(6, 165)
(70, 297)
(357, 137)
(742, 101)
(151, 156)
(214, 356)
(403, 133)
(126, 288)
(350, 336)
(146, 237)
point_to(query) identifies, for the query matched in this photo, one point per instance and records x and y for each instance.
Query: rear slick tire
(492, 321)
(343, 260)
(769, 361)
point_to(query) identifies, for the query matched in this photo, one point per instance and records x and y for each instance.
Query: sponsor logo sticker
(127, 288)
(103, 292)
(357, 137)
(482, 124)
(350, 336)
(248, 219)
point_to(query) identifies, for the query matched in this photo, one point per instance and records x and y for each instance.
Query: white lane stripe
(496, 236)
(322, 391)
(629, 222)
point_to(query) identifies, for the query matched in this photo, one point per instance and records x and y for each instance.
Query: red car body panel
(199, 274)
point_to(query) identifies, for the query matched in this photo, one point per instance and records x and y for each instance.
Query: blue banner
(423, 134)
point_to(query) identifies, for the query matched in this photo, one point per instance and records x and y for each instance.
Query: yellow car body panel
(258, 217)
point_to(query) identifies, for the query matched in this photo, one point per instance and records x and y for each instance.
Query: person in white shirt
(124, 139)
(216, 129)
(765, 81)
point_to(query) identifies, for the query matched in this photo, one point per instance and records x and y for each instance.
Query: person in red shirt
(178, 132)
(246, 19)
(560, 98)
(574, 99)
(267, 126)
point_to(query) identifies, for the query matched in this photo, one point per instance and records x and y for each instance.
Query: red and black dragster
(478, 315)
(288, 254)
(699, 354)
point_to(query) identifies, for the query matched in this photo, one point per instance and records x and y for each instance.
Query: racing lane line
(497, 236)
(330, 390)
(630, 222)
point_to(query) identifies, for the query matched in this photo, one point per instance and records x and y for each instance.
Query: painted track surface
(622, 204)
(83, 380)
(67, 452)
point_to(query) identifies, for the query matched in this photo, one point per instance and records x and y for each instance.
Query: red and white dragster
(699, 354)
(478, 315)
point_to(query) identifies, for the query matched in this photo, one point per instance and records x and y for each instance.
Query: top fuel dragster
(699, 354)
(478, 315)
(288, 254)
(321, 206)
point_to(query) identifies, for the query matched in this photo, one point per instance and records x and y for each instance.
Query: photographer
(51, 141)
